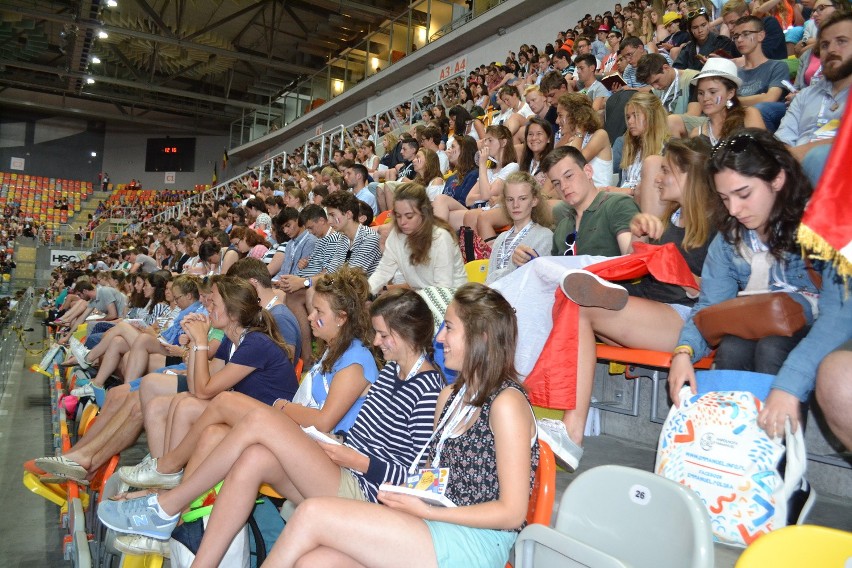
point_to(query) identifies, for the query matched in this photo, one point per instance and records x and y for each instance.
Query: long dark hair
(408, 315)
(419, 243)
(467, 155)
(158, 283)
(243, 305)
(754, 152)
(461, 118)
(527, 155)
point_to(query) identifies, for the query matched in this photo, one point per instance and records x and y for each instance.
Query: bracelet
(201, 348)
(684, 349)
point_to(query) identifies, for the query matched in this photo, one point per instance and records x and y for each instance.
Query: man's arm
(770, 96)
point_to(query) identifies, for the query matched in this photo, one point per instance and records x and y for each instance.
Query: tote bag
(750, 483)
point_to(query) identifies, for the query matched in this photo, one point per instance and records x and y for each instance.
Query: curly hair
(347, 292)
(753, 152)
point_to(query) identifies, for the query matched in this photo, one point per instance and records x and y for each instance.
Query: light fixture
(94, 154)
(96, 59)
(90, 81)
(112, 4)
(374, 62)
(102, 34)
(337, 86)
(421, 34)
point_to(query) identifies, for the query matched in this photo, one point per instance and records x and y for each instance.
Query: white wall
(124, 158)
(539, 29)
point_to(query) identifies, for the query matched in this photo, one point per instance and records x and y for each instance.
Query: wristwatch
(307, 282)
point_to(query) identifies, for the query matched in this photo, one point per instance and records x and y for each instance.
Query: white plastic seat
(616, 517)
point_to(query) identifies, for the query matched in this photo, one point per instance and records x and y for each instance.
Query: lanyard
(508, 248)
(234, 347)
(297, 246)
(822, 120)
(415, 369)
(674, 89)
(458, 413)
(271, 303)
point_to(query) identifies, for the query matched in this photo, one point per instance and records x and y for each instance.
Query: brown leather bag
(751, 317)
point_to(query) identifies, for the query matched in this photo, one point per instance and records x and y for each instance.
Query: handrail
(330, 133)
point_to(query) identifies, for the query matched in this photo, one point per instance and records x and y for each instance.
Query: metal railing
(379, 50)
(9, 341)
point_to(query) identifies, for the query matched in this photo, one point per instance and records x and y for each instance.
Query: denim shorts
(457, 546)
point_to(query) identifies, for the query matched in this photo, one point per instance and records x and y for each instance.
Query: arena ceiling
(202, 62)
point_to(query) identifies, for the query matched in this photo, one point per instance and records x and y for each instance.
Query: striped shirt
(267, 258)
(394, 423)
(330, 246)
(364, 252)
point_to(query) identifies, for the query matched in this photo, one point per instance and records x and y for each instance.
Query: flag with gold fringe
(826, 227)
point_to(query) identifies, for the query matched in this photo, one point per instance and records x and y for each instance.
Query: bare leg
(227, 408)
(471, 217)
(187, 411)
(137, 357)
(491, 220)
(642, 324)
(834, 394)
(111, 360)
(376, 536)
(676, 126)
(116, 434)
(307, 466)
(115, 399)
(296, 302)
(121, 329)
(155, 394)
(443, 204)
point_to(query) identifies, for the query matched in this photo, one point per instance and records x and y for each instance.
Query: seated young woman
(461, 151)
(484, 430)
(338, 382)
(530, 236)
(419, 247)
(653, 314)
(646, 136)
(582, 128)
(428, 170)
(464, 123)
(497, 160)
(268, 446)
(716, 89)
(762, 193)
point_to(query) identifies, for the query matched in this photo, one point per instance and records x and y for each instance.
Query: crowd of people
(699, 142)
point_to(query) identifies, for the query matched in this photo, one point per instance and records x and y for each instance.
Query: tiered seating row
(37, 196)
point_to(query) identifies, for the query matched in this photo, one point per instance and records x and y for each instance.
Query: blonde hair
(650, 142)
(541, 212)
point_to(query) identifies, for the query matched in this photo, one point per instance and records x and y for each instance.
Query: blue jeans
(814, 162)
(772, 114)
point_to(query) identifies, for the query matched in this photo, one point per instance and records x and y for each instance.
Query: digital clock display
(170, 155)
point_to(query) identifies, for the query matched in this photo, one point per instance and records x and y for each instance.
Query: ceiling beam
(264, 61)
(185, 70)
(129, 84)
(155, 17)
(226, 19)
(297, 20)
(123, 58)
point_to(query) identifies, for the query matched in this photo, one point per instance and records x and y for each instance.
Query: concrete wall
(124, 158)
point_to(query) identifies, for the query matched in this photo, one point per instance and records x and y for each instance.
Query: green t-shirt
(607, 217)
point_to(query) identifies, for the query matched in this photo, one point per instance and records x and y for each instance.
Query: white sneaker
(566, 451)
(145, 475)
(135, 544)
(80, 352)
(86, 390)
(590, 290)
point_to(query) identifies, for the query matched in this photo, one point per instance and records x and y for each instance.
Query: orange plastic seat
(381, 218)
(540, 509)
(644, 357)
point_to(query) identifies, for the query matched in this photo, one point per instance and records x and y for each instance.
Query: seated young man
(106, 300)
(673, 87)
(762, 78)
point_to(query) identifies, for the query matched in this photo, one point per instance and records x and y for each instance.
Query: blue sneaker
(137, 516)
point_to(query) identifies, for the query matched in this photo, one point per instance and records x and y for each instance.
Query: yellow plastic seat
(477, 270)
(799, 545)
(141, 561)
(267, 490)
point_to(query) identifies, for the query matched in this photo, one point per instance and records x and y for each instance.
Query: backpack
(750, 483)
(472, 246)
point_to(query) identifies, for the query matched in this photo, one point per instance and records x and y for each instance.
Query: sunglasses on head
(738, 144)
(695, 13)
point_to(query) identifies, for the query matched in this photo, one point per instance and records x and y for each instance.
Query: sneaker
(80, 352)
(137, 516)
(135, 544)
(62, 467)
(87, 389)
(587, 289)
(566, 451)
(145, 475)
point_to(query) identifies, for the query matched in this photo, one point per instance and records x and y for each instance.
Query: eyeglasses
(821, 8)
(571, 244)
(744, 35)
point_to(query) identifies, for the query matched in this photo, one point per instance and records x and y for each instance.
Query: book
(320, 436)
(428, 485)
(613, 79)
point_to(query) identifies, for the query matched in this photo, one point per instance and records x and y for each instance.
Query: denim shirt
(726, 272)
